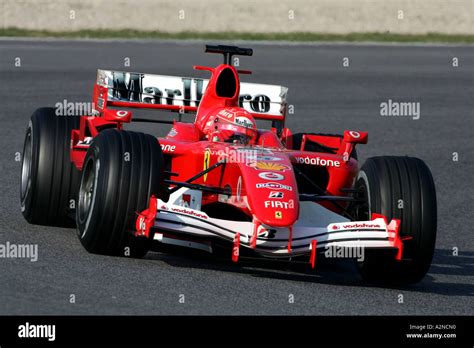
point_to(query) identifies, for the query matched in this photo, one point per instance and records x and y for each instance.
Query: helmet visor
(230, 133)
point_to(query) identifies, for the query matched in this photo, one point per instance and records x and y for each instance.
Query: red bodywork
(252, 184)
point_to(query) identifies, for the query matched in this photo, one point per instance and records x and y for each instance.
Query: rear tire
(49, 180)
(121, 171)
(401, 188)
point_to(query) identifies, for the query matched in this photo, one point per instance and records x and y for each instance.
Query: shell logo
(271, 166)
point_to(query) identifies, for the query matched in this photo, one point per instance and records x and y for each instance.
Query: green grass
(297, 36)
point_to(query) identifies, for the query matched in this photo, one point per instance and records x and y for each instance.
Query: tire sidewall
(26, 197)
(90, 221)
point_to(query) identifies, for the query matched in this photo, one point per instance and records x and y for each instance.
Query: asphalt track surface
(327, 97)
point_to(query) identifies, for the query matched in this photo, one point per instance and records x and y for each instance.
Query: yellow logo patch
(207, 160)
(270, 166)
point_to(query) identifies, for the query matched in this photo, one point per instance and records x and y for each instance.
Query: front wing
(166, 220)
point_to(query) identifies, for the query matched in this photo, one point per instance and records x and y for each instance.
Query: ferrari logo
(271, 166)
(207, 160)
(278, 214)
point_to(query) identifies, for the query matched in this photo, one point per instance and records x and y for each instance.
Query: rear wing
(181, 94)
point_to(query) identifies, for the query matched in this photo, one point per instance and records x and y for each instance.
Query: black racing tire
(49, 180)
(121, 171)
(401, 188)
(315, 147)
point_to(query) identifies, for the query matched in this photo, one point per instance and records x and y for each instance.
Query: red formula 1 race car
(220, 183)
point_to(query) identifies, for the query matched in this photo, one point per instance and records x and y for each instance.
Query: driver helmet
(232, 125)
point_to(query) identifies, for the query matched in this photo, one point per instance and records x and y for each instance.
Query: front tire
(120, 173)
(401, 188)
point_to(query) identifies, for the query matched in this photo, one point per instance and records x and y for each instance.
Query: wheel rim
(86, 190)
(362, 210)
(26, 165)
